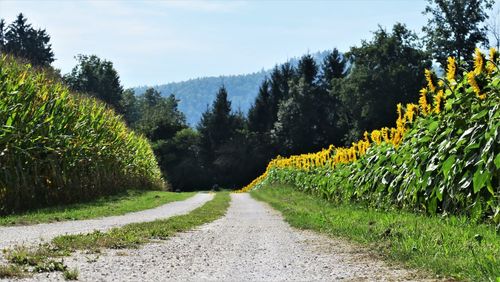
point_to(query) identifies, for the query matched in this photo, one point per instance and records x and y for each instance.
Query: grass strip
(132, 235)
(46, 257)
(130, 201)
(449, 247)
(11, 271)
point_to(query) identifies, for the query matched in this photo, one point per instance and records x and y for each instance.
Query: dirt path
(46, 231)
(251, 243)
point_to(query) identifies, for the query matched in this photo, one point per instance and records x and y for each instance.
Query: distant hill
(196, 94)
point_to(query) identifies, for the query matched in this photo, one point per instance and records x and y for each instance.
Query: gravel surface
(251, 243)
(42, 232)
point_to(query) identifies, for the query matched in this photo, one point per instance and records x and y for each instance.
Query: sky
(156, 42)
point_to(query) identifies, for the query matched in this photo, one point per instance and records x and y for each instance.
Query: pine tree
(2, 35)
(22, 40)
(307, 69)
(333, 67)
(259, 115)
(151, 97)
(281, 76)
(215, 127)
(222, 141)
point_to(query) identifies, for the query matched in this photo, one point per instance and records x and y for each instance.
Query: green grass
(130, 201)
(132, 235)
(48, 257)
(70, 274)
(449, 247)
(11, 271)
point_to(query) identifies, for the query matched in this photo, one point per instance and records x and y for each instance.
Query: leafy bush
(441, 158)
(57, 147)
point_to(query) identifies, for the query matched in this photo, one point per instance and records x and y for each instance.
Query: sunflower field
(58, 147)
(442, 157)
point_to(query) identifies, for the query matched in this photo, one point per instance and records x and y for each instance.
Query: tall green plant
(59, 147)
(448, 161)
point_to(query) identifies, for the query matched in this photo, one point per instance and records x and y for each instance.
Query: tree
(386, 71)
(183, 169)
(151, 98)
(22, 40)
(218, 128)
(333, 71)
(130, 107)
(294, 129)
(214, 127)
(2, 35)
(333, 67)
(454, 28)
(494, 28)
(160, 120)
(281, 77)
(160, 117)
(97, 78)
(259, 115)
(307, 69)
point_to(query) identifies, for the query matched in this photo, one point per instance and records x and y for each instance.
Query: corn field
(442, 156)
(58, 147)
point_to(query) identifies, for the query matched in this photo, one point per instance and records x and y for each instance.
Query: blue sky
(155, 42)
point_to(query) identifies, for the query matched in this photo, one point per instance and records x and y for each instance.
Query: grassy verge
(450, 247)
(48, 257)
(130, 201)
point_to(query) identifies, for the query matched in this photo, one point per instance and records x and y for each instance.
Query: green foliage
(47, 257)
(70, 274)
(130, 201)
(450, 246)
(454, 28)
(159, 119)
(386, 71)
(447, 163)
(97, 78)
(220, 130)
(334, 66)
(57, 147)
(23, 41)
(11, 271)
(259, 115)
(132, 235)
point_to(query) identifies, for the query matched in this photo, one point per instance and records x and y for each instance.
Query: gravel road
(42, 232)
(251, 243)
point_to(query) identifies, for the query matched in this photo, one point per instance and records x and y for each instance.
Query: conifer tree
(2, 34)
(216, 127)
(279, 83)
(22, 40)
(333, 67)
(307, 69)
(259, 115)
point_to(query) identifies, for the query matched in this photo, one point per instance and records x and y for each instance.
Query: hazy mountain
(196, 94)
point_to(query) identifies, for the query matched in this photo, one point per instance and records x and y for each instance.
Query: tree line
(298, 109)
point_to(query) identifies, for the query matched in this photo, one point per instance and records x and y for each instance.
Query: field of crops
(57, 147)
(441, 157)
